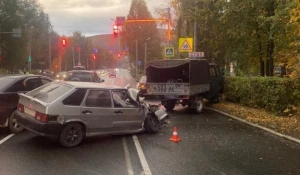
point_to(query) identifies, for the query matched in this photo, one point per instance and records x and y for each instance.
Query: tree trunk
(267, 67)
(271, 62)
(262, 67)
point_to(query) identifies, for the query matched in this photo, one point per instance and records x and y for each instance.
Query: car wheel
(169, 106)
(151, 124)
(199, 106)
(13, 126)
(71, 135)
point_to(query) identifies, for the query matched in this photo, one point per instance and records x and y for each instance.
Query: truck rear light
(41, 117)
(142, 86)
(20, 107)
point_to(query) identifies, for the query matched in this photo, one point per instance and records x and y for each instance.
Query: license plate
(167, 88)
(29, 112)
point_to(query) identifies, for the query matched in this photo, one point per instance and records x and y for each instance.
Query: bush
(277, 95)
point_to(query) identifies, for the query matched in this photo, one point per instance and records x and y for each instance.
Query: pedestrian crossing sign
(169, 51)
(185, 44)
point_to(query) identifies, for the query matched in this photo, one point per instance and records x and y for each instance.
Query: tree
(30, 18)
(141, 33)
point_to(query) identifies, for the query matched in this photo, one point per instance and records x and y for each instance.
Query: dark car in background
(10, 86)
(83, 76)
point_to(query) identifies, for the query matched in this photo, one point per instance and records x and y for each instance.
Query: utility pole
(73, 56)
(145, 61)
(136, 59)
(50, 54)
(169, 26)
(30, 58)
(195, 29)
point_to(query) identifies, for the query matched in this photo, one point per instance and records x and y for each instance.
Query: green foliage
(277, 95)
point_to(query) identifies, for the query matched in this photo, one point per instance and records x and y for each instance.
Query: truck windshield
(49, 92)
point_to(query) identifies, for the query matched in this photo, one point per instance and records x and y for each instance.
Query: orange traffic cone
(175, 137)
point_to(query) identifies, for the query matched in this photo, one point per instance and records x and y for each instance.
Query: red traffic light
(116, 30)
(94, 57)
(119, 55)
(64, 43)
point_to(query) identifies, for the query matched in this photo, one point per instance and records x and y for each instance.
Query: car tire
(151, 124)
(169, 106)
(199, 106)
(71, 135)
(13, 126)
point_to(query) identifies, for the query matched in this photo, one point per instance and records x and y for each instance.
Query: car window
(122, 99)
(45, 81)
(96, 77)
(49, 92)
(79, 76)
(98, 98)
(15, 87)
(75, 99)
(212, 71)
(31, 83)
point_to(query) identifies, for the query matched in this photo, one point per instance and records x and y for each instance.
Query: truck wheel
(151, 124)
(13, 126)
(71, 135)
(169, 106)
(199, 106)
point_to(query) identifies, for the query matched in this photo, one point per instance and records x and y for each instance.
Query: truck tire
(151, 124)
(199, 106)
(169, 106)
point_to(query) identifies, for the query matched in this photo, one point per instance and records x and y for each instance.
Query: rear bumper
(39, 128)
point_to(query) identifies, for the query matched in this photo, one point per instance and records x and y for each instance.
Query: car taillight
(20, 107)
(41, 116)
(142, 86)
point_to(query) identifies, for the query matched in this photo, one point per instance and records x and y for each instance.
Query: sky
(91, 17)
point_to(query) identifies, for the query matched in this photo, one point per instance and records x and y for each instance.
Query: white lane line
(6, 138)
(127, 157)
(141, 156)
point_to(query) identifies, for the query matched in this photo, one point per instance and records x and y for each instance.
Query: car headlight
(57, 76)
(64, 76)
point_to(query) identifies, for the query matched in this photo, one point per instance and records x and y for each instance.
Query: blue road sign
(139, 62)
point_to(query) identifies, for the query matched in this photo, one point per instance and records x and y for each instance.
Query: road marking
(141, 156)
(6, 138)
(127, 157)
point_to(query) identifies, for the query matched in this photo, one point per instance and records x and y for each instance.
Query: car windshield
(5, 82)
(79, 76)
(49, 92)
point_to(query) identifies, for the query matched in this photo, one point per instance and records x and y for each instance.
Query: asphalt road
(211, 144)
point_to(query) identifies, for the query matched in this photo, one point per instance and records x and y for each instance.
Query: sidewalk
(282, 124)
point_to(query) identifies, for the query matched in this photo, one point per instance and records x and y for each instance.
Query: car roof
(20, 76)
(91, 85)
(86, 71)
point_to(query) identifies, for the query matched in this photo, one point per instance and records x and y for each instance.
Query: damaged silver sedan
(71, 111)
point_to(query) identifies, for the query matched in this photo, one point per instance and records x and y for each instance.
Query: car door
(128, 115)
(97, 111)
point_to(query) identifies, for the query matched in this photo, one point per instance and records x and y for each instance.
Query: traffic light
(94, 57)
(116, 31)
(64, 43)
(119, 55)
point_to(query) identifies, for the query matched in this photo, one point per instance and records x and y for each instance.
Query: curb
(255, 125)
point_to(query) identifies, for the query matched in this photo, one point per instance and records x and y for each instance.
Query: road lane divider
(141, 155)
(6, 138)
(127, 157)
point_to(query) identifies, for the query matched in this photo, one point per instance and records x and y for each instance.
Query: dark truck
(185, 81)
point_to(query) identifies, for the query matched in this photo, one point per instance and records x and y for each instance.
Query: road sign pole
(30, 58)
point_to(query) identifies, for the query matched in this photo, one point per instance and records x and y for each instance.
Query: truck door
(216, 82)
